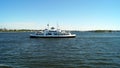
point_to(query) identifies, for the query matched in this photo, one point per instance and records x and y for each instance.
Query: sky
(68, 14)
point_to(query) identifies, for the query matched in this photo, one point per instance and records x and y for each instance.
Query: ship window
(49, 34)
(55, 33)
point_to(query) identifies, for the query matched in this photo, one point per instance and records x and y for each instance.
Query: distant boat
(52, 33)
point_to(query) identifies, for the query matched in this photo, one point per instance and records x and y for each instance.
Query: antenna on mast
(57, 26)
(48, 26)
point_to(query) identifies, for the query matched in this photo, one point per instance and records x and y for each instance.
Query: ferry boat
(52, 33)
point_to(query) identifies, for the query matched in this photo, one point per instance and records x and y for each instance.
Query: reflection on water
(87, 50)
(5, 66)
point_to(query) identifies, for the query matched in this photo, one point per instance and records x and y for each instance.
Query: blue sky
(69, 14)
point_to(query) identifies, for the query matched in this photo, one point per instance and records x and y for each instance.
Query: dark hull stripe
(52, 37)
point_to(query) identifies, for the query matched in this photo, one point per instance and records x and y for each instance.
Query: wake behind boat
(52, 33)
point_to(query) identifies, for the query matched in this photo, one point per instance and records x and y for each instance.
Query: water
(87, 50)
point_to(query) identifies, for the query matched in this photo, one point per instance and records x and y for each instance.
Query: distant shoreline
(31, 30)
(17, 30)
(104, 31)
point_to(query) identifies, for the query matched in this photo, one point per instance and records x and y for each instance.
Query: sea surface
(87, 50)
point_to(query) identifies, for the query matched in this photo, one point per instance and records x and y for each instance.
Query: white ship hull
(52, 36)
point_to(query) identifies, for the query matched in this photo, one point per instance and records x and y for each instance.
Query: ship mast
(57, 26)
(48, 26)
